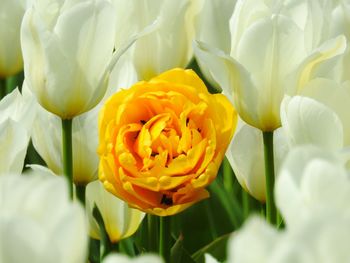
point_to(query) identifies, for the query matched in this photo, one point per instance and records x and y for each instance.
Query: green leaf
(217, 248)
(178, 252)
(126, 246)
(94, 250)
(105, 243)
(229, 203)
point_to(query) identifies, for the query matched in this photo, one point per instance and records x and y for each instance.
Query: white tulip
(302, 120)
(306, 121)
(38, 222)
(246, 156)
(11, 14)
(123, 76)
(269, 58)
(213, 28)
(311, 192)
(312, 182)
(16, 120)
(258, 236)
(67, 49)
(47, 136)
(118, 258)
(120, 220)
(334, 95)
(167, 47)
(315, 240)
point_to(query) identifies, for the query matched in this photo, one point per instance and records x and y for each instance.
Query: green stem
(246, 204)
(228, 176)
(153, 227)
(67, 149)
(2, 88)
(106, 245)
(269, 177)
(80, 193)
(210, 216)
(165, 238)
(126, 246)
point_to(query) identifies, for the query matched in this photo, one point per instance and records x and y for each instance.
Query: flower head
(67, 50)
(38, 219)
(161, 142)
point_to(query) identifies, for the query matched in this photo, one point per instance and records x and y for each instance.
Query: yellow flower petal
(162, 142)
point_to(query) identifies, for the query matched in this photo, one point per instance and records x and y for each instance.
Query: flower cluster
(162, 126)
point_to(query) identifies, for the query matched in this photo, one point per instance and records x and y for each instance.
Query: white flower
(269, 58)
(38, 222)
(213, 28)
(167, 47)
(313, 182)
(67, 49)
(47, 141)
(47, 135)
(11, 14)
(311, 192)
(307, 121)
(16, 118)
(246, 156)
(120, 220)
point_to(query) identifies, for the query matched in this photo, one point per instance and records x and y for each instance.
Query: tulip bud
(11, 14)
(120, 220)
(67, 47)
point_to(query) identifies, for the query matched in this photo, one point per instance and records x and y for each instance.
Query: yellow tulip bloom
(161, 142)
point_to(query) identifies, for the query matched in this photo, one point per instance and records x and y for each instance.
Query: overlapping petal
(43, 224)
(120, 220)
(162, 141)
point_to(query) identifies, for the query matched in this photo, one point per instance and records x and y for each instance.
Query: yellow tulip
(161, 142)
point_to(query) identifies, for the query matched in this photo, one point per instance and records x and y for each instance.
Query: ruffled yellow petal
(161, 142)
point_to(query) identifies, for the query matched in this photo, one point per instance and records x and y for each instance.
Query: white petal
(47, 140)
(210, 259)
(119, 258)
(39, 216)
(289, 198)
(14, 141)
(233, 78)
(335, 96)
(246, 156)
(270, 50)
(256, 235)
(213, 16)
(319, 63)
(120, 220)
(11, 13)
(306, 121)
(176, 22)
(19, 108)
(24, 234)
(245, 13)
